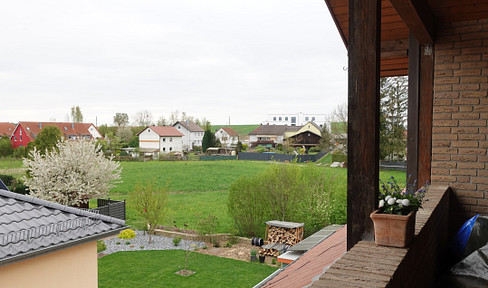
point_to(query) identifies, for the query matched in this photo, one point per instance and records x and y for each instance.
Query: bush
(228, 244)
(311, 195)
(127, 234)
(14, 185)
(176, 241)
(101, 246)
(208, 225)
(337, 156)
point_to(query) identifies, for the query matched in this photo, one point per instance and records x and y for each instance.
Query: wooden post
(363, 118)
(413, 108)
(425, 113)
(420, 100)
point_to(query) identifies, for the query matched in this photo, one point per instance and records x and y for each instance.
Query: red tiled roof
(6, 129)
(230, 131)
(190, 126)
(312, 264)
(167, 131)
(67, 128)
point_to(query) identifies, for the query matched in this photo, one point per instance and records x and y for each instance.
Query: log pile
(280, 236)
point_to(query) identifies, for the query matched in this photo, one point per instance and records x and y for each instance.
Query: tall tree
(162, 121)
(76, 114)
(47, 139)
(338, 126)
(143, 118)
(326, 141)
(5, 147)
(394, 101)
(209, 140)
(121, 119)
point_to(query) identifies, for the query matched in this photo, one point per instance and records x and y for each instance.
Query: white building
(192, 134)
(162, 139)
(227, 137)
(298, 119)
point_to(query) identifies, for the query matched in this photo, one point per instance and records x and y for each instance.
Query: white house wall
(149, 139)
(171, 144)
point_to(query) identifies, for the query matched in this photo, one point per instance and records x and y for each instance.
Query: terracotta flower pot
(393, 230)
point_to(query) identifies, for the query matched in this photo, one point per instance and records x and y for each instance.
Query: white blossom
(405, 202)
(399, 201)
(387, 197)
(382, 203)
(391, 201)
(75, 173)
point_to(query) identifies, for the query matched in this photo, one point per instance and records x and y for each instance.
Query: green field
(158, 268)
(198, 188)
(240, 129)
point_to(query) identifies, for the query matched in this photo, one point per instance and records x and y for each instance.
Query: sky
(213, 59)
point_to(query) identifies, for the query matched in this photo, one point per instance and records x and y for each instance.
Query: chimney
(40, 125)
(73, 125)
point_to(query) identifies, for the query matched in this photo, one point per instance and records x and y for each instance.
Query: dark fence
(112, 208)
(218, 157)
(393, 165)
(270, 156)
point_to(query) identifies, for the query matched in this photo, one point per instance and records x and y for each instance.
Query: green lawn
(158, 268)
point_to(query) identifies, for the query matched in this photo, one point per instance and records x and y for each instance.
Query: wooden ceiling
(421, 17)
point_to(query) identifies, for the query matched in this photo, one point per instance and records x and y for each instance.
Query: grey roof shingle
(31, 226)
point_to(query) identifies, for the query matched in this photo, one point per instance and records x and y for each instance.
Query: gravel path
(141, 243)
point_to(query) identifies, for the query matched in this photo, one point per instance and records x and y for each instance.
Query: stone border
(195, 237)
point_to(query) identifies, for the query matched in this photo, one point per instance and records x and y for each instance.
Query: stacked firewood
(269, 252)
(287, 236)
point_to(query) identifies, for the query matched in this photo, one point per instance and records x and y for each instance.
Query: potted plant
(253, 255)
(261, 258)
(394, 220)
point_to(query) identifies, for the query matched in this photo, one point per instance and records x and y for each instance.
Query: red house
(26, 132)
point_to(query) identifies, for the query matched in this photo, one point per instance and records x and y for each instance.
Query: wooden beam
(418, 17)
(363, 118)
(425, 113)
(413, 108)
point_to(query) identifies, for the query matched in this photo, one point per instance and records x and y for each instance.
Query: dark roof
(274, 129)
(190, 126)
(31, 226)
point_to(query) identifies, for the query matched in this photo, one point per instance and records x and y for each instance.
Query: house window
(286, 118)
(293, 120)
(15, 138)
(274, 118)
(279, 118)
(313, 118)
(164, 139)
(164, 149)
(170, 148)
(170, 139)
(306, 118)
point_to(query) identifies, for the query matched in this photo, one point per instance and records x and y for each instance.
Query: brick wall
(459, 141)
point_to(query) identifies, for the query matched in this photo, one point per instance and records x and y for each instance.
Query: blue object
(458, 243)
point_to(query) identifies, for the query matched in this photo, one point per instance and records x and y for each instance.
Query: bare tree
(143, 118)
(121, 119)
(76, 114)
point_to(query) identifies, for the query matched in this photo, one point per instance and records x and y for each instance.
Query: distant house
(270, 135)
(6, 129)
(296, 119)
(309, 135)
(192, 134)
(160, 139)
(26, 132)
(227, 137)
(44, 244)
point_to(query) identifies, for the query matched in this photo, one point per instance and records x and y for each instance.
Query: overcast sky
(209, 58)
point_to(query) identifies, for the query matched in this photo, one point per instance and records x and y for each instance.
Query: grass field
(199, 188)
(240, 129)
(158, 268)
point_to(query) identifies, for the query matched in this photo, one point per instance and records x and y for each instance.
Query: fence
(112, 208)
(270, 156)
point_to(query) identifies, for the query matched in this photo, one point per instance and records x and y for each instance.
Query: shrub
(228, 244)
(176, 241)
(207, 226)
(101, 246)
(215, 243)
(14, 185)
(127, 242)
(127, 234)
(338, 156)
(311, 195)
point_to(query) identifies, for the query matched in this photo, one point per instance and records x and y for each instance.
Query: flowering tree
(71, 174)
